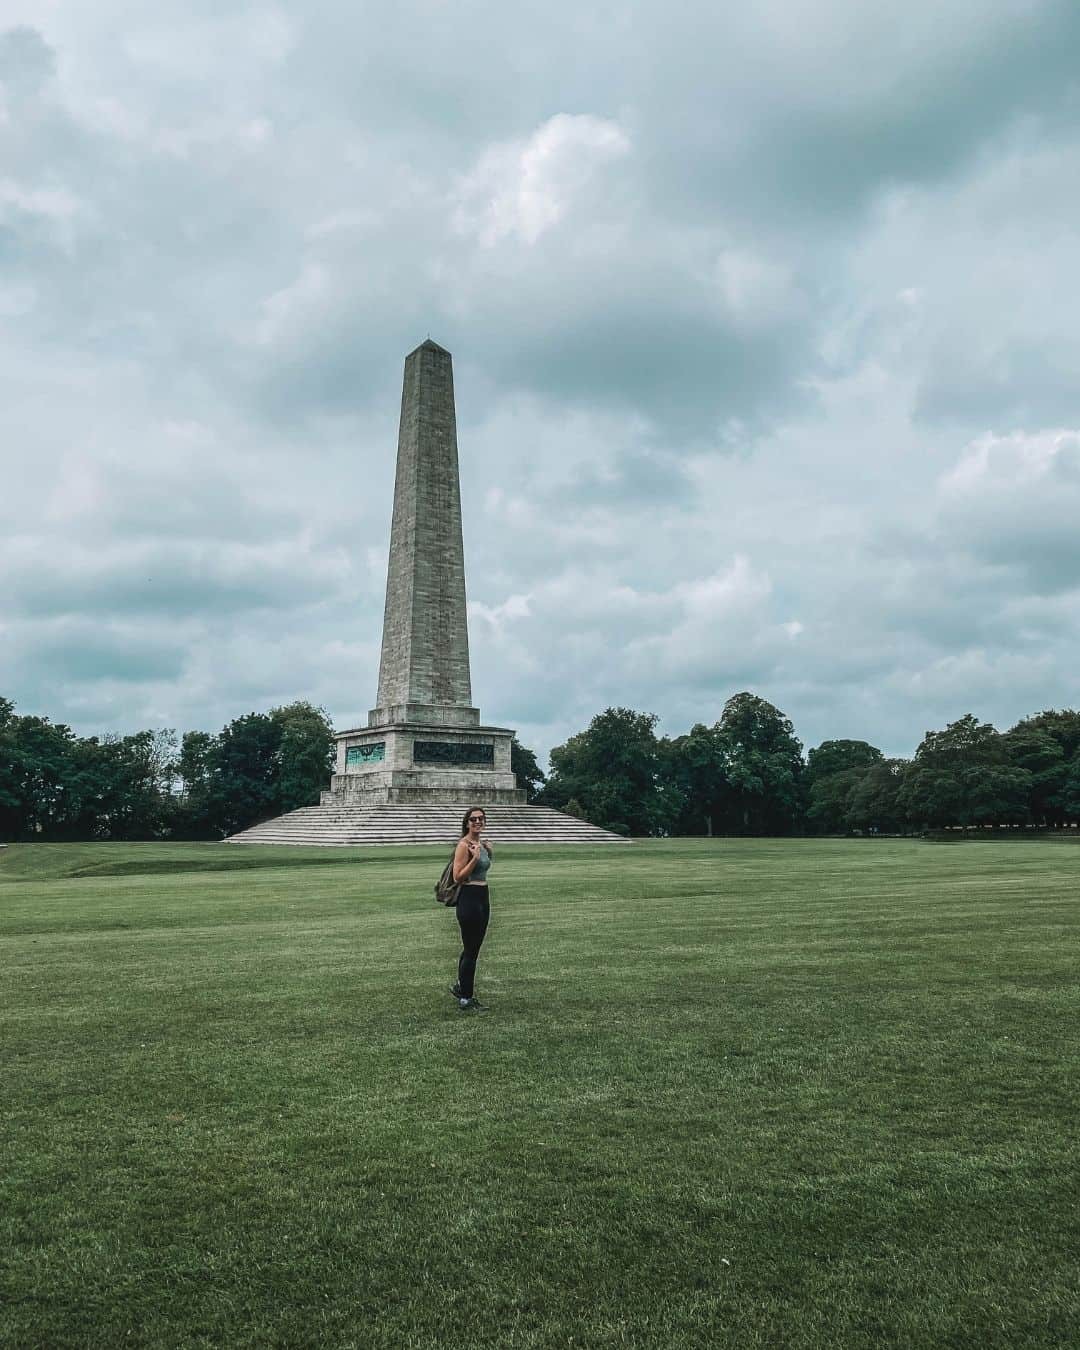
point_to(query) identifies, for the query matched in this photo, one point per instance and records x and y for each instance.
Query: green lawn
(729, 1093)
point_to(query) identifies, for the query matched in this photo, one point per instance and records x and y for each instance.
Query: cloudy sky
(765, 331)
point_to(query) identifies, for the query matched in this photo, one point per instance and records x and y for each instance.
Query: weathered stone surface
(425, 644)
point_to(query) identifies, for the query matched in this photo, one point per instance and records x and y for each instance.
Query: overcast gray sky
(766, 341)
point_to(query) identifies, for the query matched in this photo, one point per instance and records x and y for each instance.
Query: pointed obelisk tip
(428, 346)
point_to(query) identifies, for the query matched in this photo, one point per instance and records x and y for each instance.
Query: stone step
(418, 823)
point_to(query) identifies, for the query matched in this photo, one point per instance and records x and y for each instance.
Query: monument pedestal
(429, 761)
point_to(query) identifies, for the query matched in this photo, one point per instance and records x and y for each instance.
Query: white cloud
(1005, 467)
(293, 305)
(523, 190)
(54, 203)
(753, 288)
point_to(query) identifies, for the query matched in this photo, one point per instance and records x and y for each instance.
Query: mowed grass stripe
(730, 1093)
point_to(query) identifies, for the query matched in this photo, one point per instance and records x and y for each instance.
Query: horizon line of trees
(744, 775)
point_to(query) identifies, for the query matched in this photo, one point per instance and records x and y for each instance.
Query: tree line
(55, 785)
(745, 775)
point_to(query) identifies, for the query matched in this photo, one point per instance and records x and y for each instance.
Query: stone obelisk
(424, 741)
(424, 671)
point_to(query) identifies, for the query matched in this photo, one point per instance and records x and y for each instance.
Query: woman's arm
(464, 861)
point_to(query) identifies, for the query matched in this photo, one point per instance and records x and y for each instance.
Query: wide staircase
(342, 826)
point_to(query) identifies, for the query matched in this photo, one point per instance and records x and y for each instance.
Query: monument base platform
(340, 825)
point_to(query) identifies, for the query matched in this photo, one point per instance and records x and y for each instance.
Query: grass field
(729, 1093)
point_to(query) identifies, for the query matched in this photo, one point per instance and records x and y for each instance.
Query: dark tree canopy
(305, 754)
(962, 776)
(834, 772)
(611, 770)
(696, 774)
(764, 769)
(1063, 726)
(874, 806)
(840, 756)
(529, 774)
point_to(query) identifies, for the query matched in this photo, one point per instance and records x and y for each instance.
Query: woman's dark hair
(465, 818)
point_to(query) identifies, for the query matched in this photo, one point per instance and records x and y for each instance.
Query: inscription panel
(365, 754)
(453, 753)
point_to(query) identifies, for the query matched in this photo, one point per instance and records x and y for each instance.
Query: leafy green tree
(244, 766)
(834, 770)
(695, 774)
(144, 781)
(38, 769)
(523, 763)
(764, 767)
(194, 810)
(1070, 794)
(120, 787)
(828, 801)
(840, 756)
(1063, 726)
(1031, 748)
(259, 765)
(612, 769)
(56, 785)
(305, 754)
(961, 776)
(874, 805)
(10, 797)
(1052, 798)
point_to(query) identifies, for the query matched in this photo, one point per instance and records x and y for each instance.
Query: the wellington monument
(423, 758)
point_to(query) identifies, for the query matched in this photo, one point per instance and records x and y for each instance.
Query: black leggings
(473, 912)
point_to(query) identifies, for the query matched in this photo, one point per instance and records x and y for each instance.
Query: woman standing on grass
(472, 858)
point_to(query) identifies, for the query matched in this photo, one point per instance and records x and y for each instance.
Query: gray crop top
(480, 871)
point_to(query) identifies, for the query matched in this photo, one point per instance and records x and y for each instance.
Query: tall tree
(838, 756)
(305, 754)
(961, 776)
(1031, 748)
(523, 763)
(1053, 800)
(834, 769)
(1070, 793)
(10, 796)
(874, 805)
(194, 811)
(764, 766)
(1063, 726)
(695, 771)
(119, 787)
(611, 769)
(37, 776)
(244, 773)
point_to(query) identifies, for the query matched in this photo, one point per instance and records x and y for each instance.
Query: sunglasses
(474, 819)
